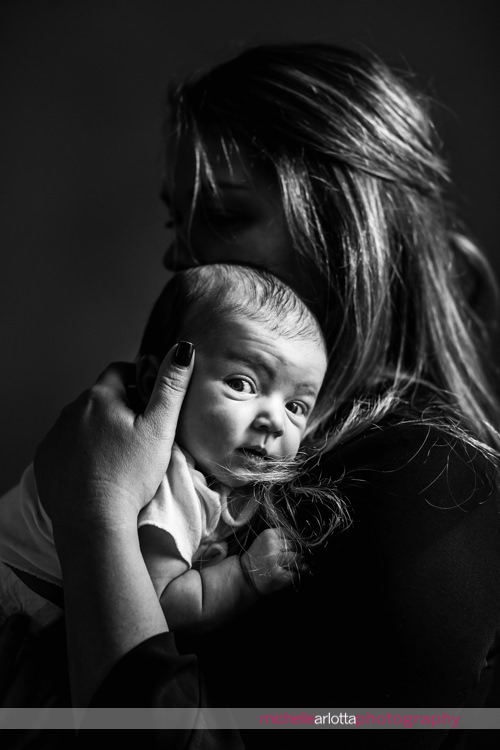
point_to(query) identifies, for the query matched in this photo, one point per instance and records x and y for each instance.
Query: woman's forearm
(97, 467)
(110, 604)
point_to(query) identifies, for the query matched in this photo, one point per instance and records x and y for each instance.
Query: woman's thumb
(162, 411)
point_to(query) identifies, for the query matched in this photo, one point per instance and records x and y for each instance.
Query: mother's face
(245, 224)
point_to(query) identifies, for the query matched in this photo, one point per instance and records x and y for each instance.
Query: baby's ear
(146, 371)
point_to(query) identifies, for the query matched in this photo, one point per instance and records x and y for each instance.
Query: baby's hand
(269, 563)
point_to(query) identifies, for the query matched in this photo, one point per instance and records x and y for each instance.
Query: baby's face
(250, 397)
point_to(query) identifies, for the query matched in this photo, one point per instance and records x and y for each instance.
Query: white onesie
(195, 515)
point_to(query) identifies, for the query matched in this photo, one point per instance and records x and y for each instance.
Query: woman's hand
(96, 468)
(101, 463)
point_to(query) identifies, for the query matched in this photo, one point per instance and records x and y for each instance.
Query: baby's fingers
(270, 543)
(272, 580)
(282, 578)
(287, 559)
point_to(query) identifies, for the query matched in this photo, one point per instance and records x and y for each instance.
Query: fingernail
(183, 354)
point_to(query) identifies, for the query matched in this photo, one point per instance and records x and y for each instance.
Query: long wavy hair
(364, 190)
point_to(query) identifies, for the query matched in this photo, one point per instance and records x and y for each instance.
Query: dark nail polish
(183, 354)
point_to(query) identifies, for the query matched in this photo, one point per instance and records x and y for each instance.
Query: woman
(321, 165)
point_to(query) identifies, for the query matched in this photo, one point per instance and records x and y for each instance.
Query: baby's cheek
(222, 421)
(292, 443)
(195, 429)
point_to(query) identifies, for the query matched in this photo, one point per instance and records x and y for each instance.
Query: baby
(259, 365)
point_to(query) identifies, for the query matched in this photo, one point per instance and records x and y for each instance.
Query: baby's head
(259, 366)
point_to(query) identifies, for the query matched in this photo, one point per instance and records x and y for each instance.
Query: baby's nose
(270, 419)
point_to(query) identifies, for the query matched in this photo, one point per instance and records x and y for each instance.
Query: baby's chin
(238, 473)
(231, 479)
(248, 467)
(235, 476)
(247, 471)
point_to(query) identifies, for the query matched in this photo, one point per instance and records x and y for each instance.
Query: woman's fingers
(117, 377)
(162, 411)
(101, 462)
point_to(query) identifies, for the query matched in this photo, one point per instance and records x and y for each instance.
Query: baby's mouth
(254, 452)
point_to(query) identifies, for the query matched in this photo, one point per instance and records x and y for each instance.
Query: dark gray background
(81, 95)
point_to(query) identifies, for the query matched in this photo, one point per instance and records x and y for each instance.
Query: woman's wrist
(110, 603)
(89, 535)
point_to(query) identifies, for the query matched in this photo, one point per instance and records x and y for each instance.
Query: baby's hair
(292, 496)
(198, 299)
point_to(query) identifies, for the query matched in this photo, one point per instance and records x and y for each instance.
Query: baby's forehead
(265, 321)
(260, 325)
(260, 343)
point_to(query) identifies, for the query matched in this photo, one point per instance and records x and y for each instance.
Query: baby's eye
(241, 385)
(298, 408)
